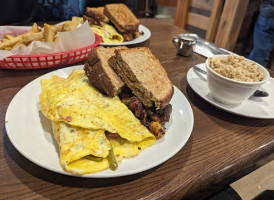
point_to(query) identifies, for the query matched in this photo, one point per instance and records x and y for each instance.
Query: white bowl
(228, 91)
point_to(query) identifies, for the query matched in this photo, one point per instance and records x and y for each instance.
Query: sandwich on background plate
(124, 20)
(147, 89)
(99, 24)
(95, 16)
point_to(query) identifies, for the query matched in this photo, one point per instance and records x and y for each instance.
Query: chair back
(199, 16)
(230, 23)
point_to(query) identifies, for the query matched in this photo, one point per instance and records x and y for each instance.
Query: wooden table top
(221, 145)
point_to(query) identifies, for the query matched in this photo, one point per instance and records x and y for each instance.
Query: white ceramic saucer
(254, 107)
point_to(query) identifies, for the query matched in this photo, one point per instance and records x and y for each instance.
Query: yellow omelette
(108, 33)
(76, 107)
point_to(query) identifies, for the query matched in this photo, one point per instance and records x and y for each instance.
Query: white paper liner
(78, 38)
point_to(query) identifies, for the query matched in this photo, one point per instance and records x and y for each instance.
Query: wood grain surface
(221, 147)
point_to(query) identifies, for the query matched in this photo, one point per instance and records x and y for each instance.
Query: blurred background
(207, 18)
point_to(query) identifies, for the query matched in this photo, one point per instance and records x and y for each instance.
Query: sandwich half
(138, 78)
(124, 20)
(149, 88)
(143, 73)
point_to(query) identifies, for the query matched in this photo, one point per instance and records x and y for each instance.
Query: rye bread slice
(122, 17)
(92, 21)
(143, 73)
(100, 74)
(97, 14)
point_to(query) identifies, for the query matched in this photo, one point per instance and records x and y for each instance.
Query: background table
(222, 145)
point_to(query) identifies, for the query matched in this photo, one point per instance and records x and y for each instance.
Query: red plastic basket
(40, 61)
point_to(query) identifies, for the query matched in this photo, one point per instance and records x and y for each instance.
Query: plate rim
(188, 109)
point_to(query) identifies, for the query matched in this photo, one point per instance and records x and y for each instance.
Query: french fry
(74, 25)
(56, 37)
(29, 37)
(49, 32)
(9, 37)
(66, 26)
(10, 43)
(17, 44)
(70, 25)
(34, 28)
(59, 28)
(8, 48)
(79, 20)
(4, 39)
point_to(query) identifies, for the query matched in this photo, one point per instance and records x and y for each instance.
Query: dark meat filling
(136, 106)
(130, 35)
(153, 119)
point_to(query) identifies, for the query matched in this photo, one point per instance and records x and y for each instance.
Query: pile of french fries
(50, 33)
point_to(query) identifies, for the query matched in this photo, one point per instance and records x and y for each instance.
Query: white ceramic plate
(31, 133)
(254, 107)
(138, 40)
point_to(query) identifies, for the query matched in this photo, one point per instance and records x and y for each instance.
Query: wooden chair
(218, 21)
(230, 23)
(199, 16)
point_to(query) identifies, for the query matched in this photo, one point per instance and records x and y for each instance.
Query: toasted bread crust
(92, 21)
(122, 17)
(101, 80)
(100, 74)
(143, 73)
(97, 14)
